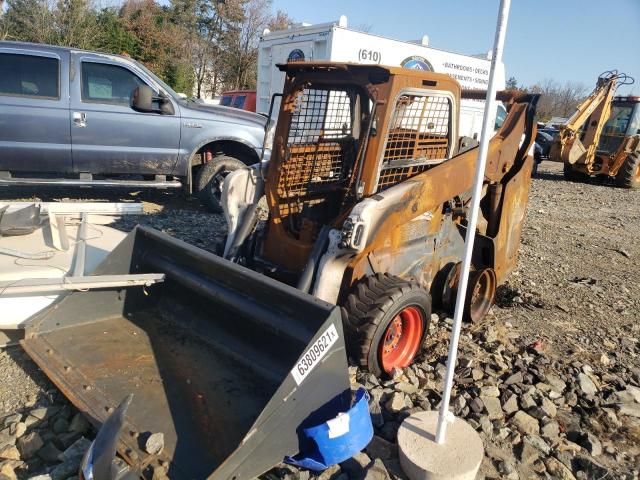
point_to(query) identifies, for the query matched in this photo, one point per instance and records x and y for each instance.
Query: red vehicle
(242, 99)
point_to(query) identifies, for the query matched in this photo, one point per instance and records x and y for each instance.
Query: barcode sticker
(310, 359)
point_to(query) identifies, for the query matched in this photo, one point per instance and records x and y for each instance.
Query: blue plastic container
(339, 438)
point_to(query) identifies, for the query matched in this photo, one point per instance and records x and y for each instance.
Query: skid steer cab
(367, 194)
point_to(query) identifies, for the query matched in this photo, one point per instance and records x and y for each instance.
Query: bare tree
(558, 100)
(75, 23)
(280, 21)
(242, 55)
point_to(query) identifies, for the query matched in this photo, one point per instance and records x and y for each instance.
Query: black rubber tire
(208, 183)
(573, 176)
(629, 174)
(370, 308)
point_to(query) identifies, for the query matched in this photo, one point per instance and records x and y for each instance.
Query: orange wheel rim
(401, 339)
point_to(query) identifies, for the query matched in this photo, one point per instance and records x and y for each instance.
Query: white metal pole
(487, 128)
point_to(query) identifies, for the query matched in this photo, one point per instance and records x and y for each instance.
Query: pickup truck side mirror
(144, 100)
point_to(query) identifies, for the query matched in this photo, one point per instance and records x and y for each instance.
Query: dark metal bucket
(225, 362)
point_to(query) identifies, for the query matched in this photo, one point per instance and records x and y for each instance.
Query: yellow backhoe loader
(603, 136)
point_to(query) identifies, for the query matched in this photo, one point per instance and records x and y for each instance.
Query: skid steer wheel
(573, 176)
(629, 174)
(386, 320)
(211, 178)
(481, 292)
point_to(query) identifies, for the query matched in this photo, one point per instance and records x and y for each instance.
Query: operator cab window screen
(418, 137)
(104, 83)
(29, 76)
(321, 143)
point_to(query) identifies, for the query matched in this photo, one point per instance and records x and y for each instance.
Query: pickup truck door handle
(80, 119)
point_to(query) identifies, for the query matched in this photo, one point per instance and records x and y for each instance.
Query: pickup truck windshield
(166, 87)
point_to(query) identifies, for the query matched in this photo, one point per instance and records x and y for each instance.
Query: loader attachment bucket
(226, 363)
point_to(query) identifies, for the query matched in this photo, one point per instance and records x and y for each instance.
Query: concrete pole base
(421, 458)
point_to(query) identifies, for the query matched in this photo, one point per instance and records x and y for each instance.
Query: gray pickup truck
(72, 117)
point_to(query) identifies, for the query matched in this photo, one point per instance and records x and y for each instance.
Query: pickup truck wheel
(629, 174)
(386, 319)
(211, 178)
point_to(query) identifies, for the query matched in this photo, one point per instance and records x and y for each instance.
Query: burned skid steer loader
(367, 193)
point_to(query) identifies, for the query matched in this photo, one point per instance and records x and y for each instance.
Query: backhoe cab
(603, 136)
(367, 193)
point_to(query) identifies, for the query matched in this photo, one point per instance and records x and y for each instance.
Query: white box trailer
(334, 41)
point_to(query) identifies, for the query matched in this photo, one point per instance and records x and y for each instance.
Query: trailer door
(288, 52)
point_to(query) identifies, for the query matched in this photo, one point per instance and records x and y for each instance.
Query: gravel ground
(551, 378)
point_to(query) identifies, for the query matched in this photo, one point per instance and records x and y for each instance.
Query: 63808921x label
(310, 359)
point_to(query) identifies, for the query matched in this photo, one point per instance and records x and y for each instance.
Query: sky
(565, 40)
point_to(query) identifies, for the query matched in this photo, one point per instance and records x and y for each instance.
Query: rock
(546, 409)
(493, 407)
(538, 443)
(634, 392)
(558, 469)
(18, 429)
(592, 468)
(46, 476)
(65, 470)
(528, 454)
(154, 444)
(525, 423)
(527, 401)
(476, 374)
(486, 425)
(397, 374)
(586, 384)
(11, 419)
(76, 450)
(396, 403)
(67, 439)
(389, 431)
(515, 378)
(79, 424)
(511, 405)
(476, 405)
(489, 391)
(7, 472)
(329, 473)
(405, 387)
(60, 426)
(629, 409)
(7, 439)
(29, 444)
(49, 453)
(377, 471)
(550, 430)
(39, 413)
(555, 382)
(591, 443)
(9, 452)
(380, 448)
(377, 419)
(356, 466)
